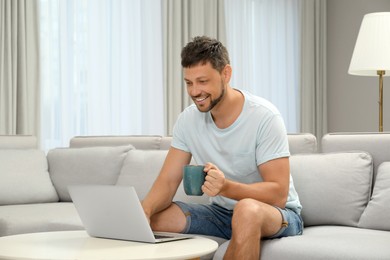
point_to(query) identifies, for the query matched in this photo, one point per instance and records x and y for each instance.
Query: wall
(352, 100)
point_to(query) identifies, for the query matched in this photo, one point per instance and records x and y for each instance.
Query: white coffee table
(65, 245)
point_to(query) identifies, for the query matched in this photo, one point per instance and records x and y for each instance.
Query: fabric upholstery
(144, 142)
(325, 243)
(141, 168)
(39, 217)
(376, 144)
(298, 142)
(377, 213)
(18, 142)
(302, 143)
(25, 177)
(91, 165)
(333, 188)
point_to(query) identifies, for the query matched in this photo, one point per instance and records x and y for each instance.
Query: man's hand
(215, 180)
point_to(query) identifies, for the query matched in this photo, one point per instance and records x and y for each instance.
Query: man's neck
(229, 109)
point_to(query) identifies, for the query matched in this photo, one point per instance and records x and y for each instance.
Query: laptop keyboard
(161, 236)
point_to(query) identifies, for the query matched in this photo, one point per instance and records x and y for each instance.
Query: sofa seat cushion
(325, 242)
(91, 165)
(42, 217)
(25, 177)
(377, 213)
(333, 188)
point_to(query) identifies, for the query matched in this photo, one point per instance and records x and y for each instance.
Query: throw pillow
(90, 165)
(25, 177)
(375, 216)
(333, 188)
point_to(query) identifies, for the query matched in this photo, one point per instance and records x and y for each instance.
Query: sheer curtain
(101, 69)
(263, 39)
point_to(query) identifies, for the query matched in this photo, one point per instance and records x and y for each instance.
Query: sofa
(343, 184)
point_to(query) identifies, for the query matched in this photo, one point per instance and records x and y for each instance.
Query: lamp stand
(381, 73)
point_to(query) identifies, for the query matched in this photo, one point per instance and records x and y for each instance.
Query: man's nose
(195, 90)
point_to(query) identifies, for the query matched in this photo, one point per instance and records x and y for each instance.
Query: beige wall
(352, 100)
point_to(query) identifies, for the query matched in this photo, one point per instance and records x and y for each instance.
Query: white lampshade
(372, 49)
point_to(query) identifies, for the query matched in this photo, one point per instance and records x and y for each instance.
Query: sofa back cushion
(144, 142)
(376, 144)
(92, 165)
(376, 215)
(18, 142)
(141, 168)
(298, 142)
(333, 188)
(25, 177)
(302, 143)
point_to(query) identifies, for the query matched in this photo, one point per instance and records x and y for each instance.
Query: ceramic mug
(193, 179)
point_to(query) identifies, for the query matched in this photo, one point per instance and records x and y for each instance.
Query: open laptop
(115, 212)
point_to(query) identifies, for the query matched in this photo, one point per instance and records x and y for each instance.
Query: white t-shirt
(257, 136)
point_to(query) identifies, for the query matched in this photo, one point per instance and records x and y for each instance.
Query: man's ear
(227, 73)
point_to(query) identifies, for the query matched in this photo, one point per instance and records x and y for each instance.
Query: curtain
(19, 67)
(313, 91)
(182, 20)
(102, 69)
(263, 38)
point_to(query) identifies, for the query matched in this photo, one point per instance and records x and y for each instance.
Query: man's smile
(200, 99)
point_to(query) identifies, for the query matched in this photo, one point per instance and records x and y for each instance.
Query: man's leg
(172, 219)
(251, 221)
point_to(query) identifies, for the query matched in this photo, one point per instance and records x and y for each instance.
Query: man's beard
(214, 102)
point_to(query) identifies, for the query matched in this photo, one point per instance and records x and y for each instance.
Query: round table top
(65, 245)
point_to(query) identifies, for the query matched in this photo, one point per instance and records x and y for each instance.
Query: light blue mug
(193, 179)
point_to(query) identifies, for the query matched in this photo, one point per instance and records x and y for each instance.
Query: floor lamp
(371, 56)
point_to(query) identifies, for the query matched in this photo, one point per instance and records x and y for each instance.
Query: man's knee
(248, 209)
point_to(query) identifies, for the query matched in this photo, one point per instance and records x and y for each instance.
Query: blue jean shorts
(214, 220)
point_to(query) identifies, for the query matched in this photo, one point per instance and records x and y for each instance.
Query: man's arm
(165, 186)
(273, 190)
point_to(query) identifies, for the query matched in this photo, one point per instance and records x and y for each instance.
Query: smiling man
(241, 139)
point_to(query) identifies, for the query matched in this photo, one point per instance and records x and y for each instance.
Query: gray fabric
(333, 188)
(298, 142)
(92, 165)
(377, 213)
(165, 142)
(141, 168)
(19, 219)
(19, 67)
(18, 142)
(325, 243)
(377, 144)
(144, 142)
(24, 177)
(302, 143)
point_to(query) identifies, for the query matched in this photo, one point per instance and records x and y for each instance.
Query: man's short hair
(203, 49)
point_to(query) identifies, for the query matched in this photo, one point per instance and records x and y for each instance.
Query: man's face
(205, 86)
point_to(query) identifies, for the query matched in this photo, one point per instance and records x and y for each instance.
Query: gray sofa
(345, 214)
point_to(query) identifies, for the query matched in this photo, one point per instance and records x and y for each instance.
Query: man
(242, 141)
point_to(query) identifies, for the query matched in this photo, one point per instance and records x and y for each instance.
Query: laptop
(115, 212)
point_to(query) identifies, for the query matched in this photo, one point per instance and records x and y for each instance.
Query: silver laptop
(115, 212)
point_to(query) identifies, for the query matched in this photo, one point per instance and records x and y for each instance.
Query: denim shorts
(214, 220)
